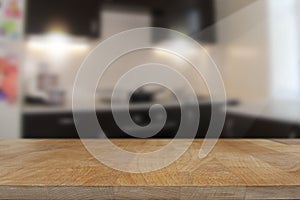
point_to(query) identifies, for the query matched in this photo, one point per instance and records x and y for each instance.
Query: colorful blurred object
(10, 19)
(13, 9)
(9, 26)
(8, 80)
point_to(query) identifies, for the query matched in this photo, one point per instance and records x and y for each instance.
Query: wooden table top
(235, 169)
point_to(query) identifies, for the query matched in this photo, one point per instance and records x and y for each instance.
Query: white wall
(258, 49)
(242, 51)
(285, 49)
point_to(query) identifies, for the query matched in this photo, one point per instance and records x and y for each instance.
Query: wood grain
(235, 169)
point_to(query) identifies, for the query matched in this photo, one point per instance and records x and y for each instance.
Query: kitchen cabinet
(49, 125)
(82, 18)
(76, 17)
(61, 125)
(170, 129)
(247, 126)
(53, 125)
(137, 3)
(141, 118)
(188, 17)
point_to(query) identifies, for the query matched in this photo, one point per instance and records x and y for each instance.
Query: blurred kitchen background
(255, 44)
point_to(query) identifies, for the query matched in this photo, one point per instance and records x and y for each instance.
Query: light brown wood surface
(235, 169)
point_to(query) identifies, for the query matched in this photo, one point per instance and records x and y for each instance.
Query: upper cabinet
(191, 17)
(194, 18)
(82, 17)
(74, 17)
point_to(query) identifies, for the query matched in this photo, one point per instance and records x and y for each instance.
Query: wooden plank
(235, 169)
(182, 193)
